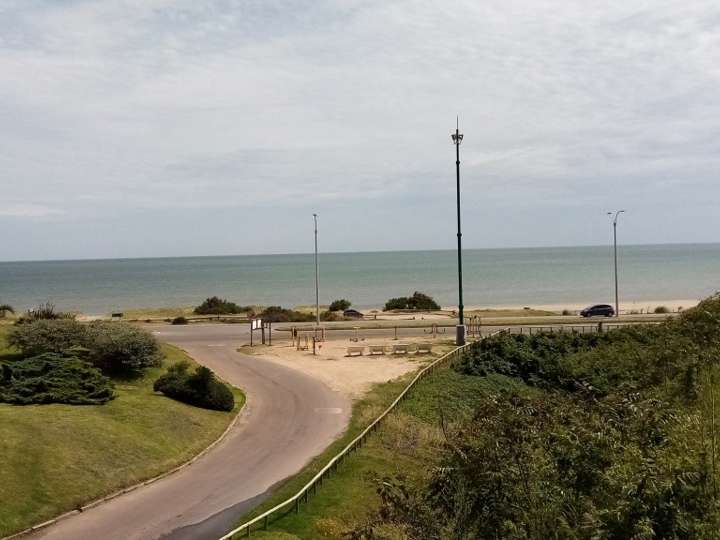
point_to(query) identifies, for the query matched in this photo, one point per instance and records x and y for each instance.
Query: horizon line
(95, 259)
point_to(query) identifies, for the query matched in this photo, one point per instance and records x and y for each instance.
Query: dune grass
(58, 457)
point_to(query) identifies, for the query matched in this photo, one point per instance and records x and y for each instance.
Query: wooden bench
(355, 351)
(400, 348)
(424, 348)
(376, 349)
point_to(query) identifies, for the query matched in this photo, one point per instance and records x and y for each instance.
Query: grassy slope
(405, 445)
(57, 457)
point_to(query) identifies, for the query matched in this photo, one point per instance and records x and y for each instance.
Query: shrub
(330, 316)
(662, 309)
(200, 389)
(219, 306)
(120, 348)
(340, 305)
(179, 320)
(54, 378)
(44, 312)
(4, 309)
(566, 312)
(48, 336)
(279, 314)
(418, 301)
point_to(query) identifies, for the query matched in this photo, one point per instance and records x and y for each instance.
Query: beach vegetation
(219, 306)
(44, 312)
(418, 301)
(179, 320)
(200, 388)
(5, 309)
(48, 336)
(54, 378)
(280, 314)
(661, 309)
(340, 305)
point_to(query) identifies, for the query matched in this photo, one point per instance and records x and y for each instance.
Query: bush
(340, 305)
(120, 348)
(179, 320)
(567, 312)
(44, 312)
(54, 378)
(200, 389)
(418, 301)
(48, 336)
(279, 314)
(4, 309)
(219, 306)
(662, 309)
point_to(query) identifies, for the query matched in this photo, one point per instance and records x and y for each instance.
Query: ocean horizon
(492, 277)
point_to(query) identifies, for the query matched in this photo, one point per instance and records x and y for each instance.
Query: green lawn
(406, 444)
(58, 457)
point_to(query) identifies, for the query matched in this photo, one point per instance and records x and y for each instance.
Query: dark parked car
(604, 310)
(352, 314)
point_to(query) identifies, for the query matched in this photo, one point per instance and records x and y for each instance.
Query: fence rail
(293, 503)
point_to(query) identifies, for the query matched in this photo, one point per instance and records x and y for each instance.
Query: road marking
(216, 345)
(328, 410)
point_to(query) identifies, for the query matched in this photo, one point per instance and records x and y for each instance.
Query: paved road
(289, 418)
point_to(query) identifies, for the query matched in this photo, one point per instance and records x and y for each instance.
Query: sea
(491, 277)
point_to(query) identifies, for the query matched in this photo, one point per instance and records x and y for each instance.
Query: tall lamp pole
(317, 278)
(617, 297)
(457, 138)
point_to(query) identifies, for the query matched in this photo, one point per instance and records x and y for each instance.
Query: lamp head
(457, 137)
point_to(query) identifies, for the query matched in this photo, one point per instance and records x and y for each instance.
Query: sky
(143, 128)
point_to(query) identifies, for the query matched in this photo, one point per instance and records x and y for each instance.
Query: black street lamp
(457, 138)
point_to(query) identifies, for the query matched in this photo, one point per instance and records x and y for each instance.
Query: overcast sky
(178, 127)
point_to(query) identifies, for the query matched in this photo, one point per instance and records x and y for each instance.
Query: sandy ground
(353, 376)
(625, 306)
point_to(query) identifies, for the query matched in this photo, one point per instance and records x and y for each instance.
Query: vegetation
(179, 320)
(661, 309)
(117, 348)
(418, 301)
(5, 309)
(609, 436)
(57, 457)
(201, 388)
(219, 306)
(279, 314)
(340, 305)
(53, 378)
(42, 312)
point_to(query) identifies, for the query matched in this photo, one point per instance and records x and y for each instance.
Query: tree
(340, 305)
(219, 306)
(418, 301)
(5, 308)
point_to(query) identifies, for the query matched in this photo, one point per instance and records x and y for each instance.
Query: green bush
(219, 306)
(200, 389)
(661, 309)
(5, 309)
(279, 314)
(54, 378)
(418, 301)
(340, 305)
(120, 348)
(48, 336)
(179, 320)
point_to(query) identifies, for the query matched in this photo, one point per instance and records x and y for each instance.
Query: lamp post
(457, 138)
(615, 220)
(317, 278)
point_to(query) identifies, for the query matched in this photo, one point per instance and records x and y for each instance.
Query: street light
(457, 138)
(615, 219)
(317, 278)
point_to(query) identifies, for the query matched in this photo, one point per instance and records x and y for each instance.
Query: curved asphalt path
(288, 418)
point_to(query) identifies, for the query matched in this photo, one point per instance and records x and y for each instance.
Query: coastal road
(289, 418)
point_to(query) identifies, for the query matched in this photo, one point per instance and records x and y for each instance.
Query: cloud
(113, 107)
(28, 211)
